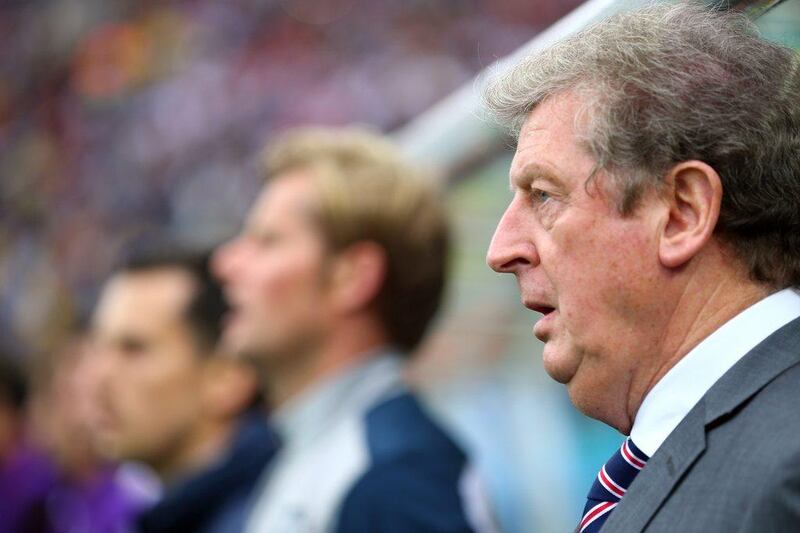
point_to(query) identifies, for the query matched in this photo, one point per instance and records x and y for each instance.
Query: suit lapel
(754, 371)
(686, 443)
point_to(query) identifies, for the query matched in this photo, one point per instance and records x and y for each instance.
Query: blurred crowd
(121, 118)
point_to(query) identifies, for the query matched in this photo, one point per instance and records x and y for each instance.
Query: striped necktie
(612, 481)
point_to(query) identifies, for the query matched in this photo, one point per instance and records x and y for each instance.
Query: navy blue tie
(612, 481)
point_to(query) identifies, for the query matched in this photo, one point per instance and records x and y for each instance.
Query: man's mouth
(540, 308)
(544, 326)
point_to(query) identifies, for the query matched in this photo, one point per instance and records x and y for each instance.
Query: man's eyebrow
(529, 173)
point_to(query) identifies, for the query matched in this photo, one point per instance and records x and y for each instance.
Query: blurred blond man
(333, 282)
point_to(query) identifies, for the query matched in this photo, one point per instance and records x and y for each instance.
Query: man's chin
(110, 448)
(247, 352)
(558, 365)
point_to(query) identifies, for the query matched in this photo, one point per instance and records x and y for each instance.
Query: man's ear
(693, 193)
(229, 386)
(358, 274)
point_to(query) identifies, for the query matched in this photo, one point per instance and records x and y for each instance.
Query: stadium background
(122, 119)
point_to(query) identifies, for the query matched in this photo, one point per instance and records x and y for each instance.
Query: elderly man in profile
(655, 224)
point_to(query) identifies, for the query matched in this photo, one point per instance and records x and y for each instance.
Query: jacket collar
(678, 453)
(196, 501)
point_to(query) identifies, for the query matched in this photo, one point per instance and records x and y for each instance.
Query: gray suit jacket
(733, 464)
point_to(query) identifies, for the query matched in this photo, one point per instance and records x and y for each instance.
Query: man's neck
(706, 303)
(341, 350)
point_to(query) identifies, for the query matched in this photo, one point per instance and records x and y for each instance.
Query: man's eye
(539, 196)
(132, 346)
(265, 239)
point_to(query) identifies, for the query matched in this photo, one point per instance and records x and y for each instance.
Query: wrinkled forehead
(549, 137)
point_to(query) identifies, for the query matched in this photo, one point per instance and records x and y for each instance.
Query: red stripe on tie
(596, 512)
(609, 483)
(632, 459)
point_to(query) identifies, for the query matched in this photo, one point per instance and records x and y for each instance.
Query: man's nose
(512, 246)
(99, 365)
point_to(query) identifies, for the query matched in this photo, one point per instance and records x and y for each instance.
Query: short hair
(670, 83)
(207, 307)
(368, 192)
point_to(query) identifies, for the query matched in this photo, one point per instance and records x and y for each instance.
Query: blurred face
(274, 276)
(63, 410)
(148, 373)
(589, 271)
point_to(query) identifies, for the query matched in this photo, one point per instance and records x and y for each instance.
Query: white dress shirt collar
(686, 383)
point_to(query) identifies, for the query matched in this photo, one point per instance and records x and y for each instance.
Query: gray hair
(671, 83)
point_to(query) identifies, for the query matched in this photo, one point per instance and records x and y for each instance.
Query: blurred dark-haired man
(333, 282)
(168, 398)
